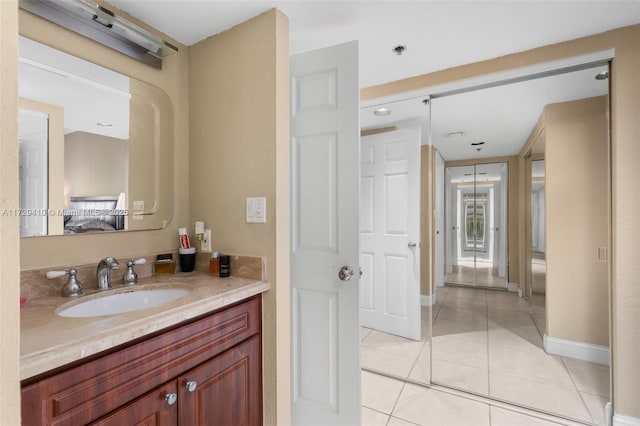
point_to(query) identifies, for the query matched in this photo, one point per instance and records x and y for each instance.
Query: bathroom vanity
(193, 361)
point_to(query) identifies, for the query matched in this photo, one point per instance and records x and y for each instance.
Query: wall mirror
(96, 147)
(480, 334)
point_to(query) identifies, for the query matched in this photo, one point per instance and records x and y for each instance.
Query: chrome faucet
(103, 274)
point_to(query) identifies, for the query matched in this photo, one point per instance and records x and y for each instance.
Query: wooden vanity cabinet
(205, 372)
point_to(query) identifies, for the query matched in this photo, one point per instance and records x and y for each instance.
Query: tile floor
(485, 342)
(469, 271)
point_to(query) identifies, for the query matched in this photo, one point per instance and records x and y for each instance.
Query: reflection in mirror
(538, 251)
(498, 341)
(475, 217)
(96, 147)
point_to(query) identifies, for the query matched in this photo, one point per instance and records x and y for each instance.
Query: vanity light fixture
(382, 111)
(100, 24)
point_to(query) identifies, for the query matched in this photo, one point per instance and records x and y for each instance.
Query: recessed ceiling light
(602, 75)
(382, 111)
(104, 124)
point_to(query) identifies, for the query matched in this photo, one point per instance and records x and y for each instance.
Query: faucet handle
(55, 274)
(72, 287)
(130, 277)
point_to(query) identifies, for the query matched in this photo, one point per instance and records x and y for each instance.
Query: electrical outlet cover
(205, 244)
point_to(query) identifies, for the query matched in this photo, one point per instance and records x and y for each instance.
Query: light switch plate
(256, 210)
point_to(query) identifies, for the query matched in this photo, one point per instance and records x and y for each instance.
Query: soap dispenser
(130, 277)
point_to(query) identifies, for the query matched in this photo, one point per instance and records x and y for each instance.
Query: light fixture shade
(91, 20)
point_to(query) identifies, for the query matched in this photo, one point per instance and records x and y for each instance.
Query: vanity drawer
(90, 390)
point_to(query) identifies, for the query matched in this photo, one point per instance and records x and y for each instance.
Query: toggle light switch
(256, 210)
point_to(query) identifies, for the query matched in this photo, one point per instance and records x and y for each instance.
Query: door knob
(345, 273)
(412, 244)
(191, 386)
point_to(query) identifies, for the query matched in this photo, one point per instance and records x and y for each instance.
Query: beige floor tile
(461, 376)
(537, 366)
(459, 351)
(422, 367)
(394, 421)
(478, 305)
(508, 318)
(393, 344)
(373, 418)
(379, 393)
(429, 407)
(364, 332)
(502, 417)
(589, 377)
(386, 362)
(596, 406)
(525, 338)
(470, 332)
(516, 304)
(467, 293)
(454, 314)
(538, 395)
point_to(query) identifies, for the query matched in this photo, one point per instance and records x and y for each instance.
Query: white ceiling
(438, 34)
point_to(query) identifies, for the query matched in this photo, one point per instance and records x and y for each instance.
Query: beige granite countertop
(48, 341)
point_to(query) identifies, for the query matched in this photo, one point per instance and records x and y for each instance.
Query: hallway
(485, 342)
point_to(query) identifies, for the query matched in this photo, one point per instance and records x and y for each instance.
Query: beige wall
(625, 162)
(427, 218)
(81, 249)
(90, 162)
(577, 194)
(9, 226)
(239, 138)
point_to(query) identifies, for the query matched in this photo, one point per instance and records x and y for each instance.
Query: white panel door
(33, 160)
(325, 174)
(390, 231)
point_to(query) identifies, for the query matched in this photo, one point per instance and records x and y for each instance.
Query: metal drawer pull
(191, 386)
(171, 398)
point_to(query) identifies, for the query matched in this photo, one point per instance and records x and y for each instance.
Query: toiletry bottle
(184, 238)
(225, 265)
(164, 264)
(214, 263)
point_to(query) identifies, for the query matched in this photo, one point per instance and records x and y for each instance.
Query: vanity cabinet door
(227, 390)
(158, 408)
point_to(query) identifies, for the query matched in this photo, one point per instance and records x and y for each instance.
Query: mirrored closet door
(476, 224)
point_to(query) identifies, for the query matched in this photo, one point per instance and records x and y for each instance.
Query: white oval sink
(122, 302)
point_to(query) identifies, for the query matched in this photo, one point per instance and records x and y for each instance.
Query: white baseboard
(620, 420)
(514, 288)
(579, 350)
(427, 300)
